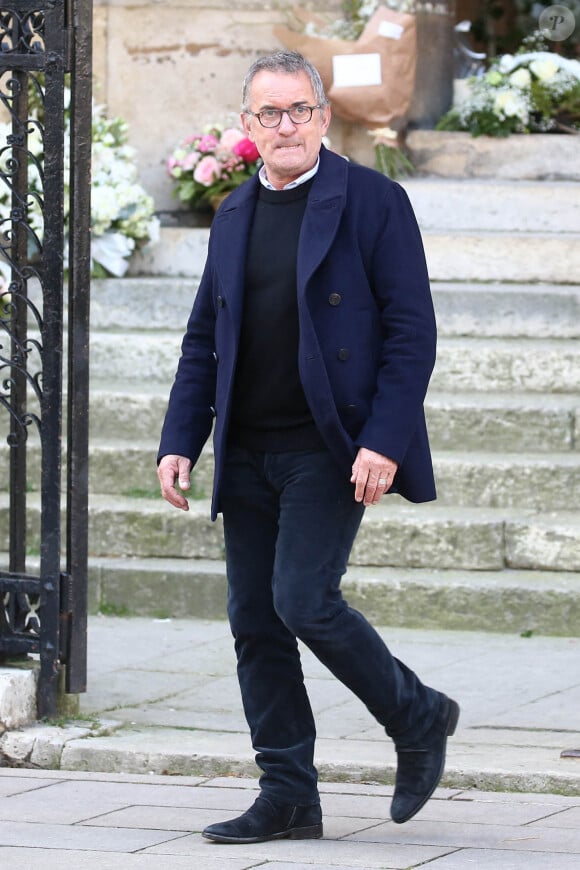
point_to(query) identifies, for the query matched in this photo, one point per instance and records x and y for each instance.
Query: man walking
(309, 349)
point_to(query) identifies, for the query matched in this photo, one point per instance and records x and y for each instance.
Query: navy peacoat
(367, 326)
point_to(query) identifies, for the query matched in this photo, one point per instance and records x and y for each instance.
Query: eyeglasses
(273, 117)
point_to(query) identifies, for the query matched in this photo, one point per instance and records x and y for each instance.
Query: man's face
(290, 149)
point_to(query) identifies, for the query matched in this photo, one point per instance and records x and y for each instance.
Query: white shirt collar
(300, 180)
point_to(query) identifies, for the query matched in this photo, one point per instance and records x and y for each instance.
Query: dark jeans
(290, 520)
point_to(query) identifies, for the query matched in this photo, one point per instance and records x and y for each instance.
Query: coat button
(215, 356)
(335, 299)
(221, 301)
(344, 353)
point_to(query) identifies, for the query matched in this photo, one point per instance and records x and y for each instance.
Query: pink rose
(207, 170)
(189, 161)
(230, 138)
(247, 150)
(207, 143)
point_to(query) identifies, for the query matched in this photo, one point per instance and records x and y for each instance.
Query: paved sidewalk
(122, 822)
(164, 750)
(163, 698)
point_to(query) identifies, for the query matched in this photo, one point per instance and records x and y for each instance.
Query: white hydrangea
(120, 207)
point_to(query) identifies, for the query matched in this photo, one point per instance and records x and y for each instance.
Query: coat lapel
(229, 233)
(322, 217)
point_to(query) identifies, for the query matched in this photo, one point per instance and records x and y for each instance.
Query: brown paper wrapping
(381, 105)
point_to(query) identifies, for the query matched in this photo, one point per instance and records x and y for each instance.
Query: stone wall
(168, 67)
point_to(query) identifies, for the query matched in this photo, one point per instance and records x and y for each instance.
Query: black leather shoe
(420, 767)
(266, 820)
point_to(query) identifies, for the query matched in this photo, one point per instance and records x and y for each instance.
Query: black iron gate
(45, 113)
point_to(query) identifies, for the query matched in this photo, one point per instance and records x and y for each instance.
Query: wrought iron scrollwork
(21, 33)
(22, 184)
(20, 615)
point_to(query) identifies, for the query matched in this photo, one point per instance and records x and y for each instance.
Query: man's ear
(246, 126)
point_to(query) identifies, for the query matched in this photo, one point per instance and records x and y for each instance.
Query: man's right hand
(174, 469)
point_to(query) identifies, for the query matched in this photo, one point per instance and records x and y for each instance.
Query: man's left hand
(372, 475)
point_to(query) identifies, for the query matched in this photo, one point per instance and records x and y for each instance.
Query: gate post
(43, 608)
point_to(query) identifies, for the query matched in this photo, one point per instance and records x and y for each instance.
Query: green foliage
(392, 161)
(106, 608)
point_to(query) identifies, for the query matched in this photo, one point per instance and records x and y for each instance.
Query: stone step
(463, 364)
(504, 422)
(543, 156)
(476, 479)
(457, 421)
(488, 256)
(495, 205)
(545, 602)
(469, 309)
(507, 310)
(393, 534)
(458, 255)
(503, 365)
(513, 601)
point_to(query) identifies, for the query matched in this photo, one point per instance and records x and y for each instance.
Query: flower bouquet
(367, 62)
(528, 92)
(207, 166)
(122, 213)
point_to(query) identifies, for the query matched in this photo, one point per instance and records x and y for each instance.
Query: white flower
(367, 8)
(506, 63)
(382, 133)
(521, 78)
(509, 104)
(104, 208)
(544, 70)
(112, 251)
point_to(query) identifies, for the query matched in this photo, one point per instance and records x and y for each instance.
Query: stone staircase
(500, 549)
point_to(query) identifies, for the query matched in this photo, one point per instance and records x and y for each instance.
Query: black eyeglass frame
(282, 112)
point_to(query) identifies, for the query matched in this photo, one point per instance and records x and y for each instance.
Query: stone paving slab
(57, 859)
(111, 822)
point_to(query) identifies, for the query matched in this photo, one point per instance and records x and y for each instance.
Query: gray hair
(282, 61)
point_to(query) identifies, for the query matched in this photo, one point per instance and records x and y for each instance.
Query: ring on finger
(382, 481)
